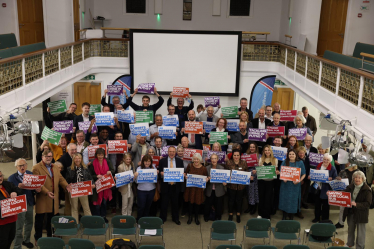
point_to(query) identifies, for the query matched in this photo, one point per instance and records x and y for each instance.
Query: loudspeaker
(158, 7)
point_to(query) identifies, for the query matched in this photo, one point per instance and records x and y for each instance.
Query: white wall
(9, 18)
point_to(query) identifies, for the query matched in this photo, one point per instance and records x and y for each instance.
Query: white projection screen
(208, 62)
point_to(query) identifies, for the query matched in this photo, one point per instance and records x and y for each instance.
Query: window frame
(135, 14)
(251, 11)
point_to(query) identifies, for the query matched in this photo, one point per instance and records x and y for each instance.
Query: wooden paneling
(30, 20)
(285, 97)
(86, 92)
(76, 20)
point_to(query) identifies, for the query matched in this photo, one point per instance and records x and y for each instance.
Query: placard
(220, 175)
(188, 153)
(288, 115)
(124, 178)
(220, 154)
(319, 175)
(252, 160)
(13, 206)
(315, 159)
(65, 127)
(338, 198)
(148, 88)
(105, 182)
(233, 125)
(126, 116)
(94, 109)
(170, 120)
(117, 146)
(211, 101)
(197, 181)
(147, 176)
(266, 172)
(173, 174)
(208, 126)
(274, 131)
(257, 134)
(156, 161)
(104, 118)
(92, 150)
(240, 177)
(52, 136)
(115, 90)
(81, 189)
(193, 127)
(220, 137)
(167, 132)
(141, 128)
(337, 185)
(58, 106)
(290, 173)
(279, 153)
(299, 133)
(32, 182)
(165, 149)
(85, 125)
(180, 92)
(230, 112)
(144, 117)
(206, 147)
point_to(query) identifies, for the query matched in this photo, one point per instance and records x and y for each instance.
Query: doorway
(86, 92)
(284, 96)
(30, 21)
(332, 26)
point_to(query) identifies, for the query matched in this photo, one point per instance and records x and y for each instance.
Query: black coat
(78, 119)
(164, 164)
(71, 175)
(111, 106)
(66, 161)
(255, 123)
(363, 200)
(198, 138)
(182, 114)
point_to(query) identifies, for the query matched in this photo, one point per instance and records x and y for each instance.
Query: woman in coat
(126, 190)
(253, 198)
(299, 122)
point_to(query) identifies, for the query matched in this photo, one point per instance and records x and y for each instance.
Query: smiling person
(115, 101)
(299, 122)
(145, 102)
(84, 116)
(180, 109)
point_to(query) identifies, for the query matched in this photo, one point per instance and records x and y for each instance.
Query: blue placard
(280, 153)
(319, 175)
(197, 181)
(126, 116)
(170, 120)
(104, 118)
(167, 132)
(339, 185)
(140, 128)
(208, 126)
(124, 178)
(233, 125)
(147, 176)
(173, 174)
(220, 176)
(240, 177)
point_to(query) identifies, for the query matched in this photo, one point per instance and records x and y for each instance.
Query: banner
(117, 146)
(319, 175)
(165, 149)
(125, 81)
(193, 127)
(52, 136)
(220, 154)
(173, 174)
(233, 125)
(240, 177)
(337, 185)
(262, 93)
(188, 153)
(315, 159)
(56, 107)
(85, 125)
(290, 174)
(208, 126)
(211, 101)
(180, 92)
(115, 90)
(274, 131)
(92, 150)
(144, 116)
(126, 116)
(142, 129)
(124, 178)
(230, 112)
(81, 189)
(220, 175)
(148, 88)
(279, 153)
(147, 176)
(170, 120)
(13, 206)
(197, 181)
(252, 160)
(220, 137)
(156, 161)
(341, 199)
(33, 181)
(288, 115)
(65, 127)
(257, 134)
(104, 119)
(105, 182)
(299, 133)
(266, 172)
(167, 132)
(94, 109)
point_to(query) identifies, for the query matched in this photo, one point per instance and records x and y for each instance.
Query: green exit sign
(89, 77)
(279, 83)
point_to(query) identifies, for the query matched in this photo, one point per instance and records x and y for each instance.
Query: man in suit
(181, 110)
(153, 130)
(80, 141)
(208, 116)
(47, 202)
(84, 116)
(170, 189)
(261, 123)
(310, 120)
(115, 101)
(195, 140)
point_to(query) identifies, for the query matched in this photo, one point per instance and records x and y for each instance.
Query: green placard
(94, 109)
(220, 137)
(57, 106)
(230, 112)
(266, 172)
(52, 136)
(144, 117)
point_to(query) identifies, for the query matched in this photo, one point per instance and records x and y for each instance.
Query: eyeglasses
(48, 156)
(22, 165)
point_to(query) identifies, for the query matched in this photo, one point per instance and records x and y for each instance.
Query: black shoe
(189, 220)
(304, 205)
(338, 225)
(315, 220)
(238, 218)
(177, 222)
(206, 219)
(28, 244)
(230, 217)
(300, 215)
(197, 220)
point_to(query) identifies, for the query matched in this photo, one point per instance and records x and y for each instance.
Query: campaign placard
(233, 125)
(65, 127)
(147, 176)
(197, 181)
(274, 131)
(56, 107)
(85, 125)
(220, 176)
(170, 120)
(338, 198)
(115, 90)
(315, 159)
(13, 206)
(220, 154)
(257, 134)
(290, 174)
(33, 181)
(181, 92)
(156, 161)
(124, 178)
(319, 175)
(81, 189)
(144, 117)
(279, 153)
(148, 88)
(92, 149)
(211, 101)
(104, 118)
(193, 127)
(52, 136)
(105, 182)
(188, 153)
(126, 116)
(240, 177)
(299, 133)
(94, 109)
(206, 147)
(165, 149)
(173, 174)
(252, 160)
(266, 172)
(230, 112)
(167, 132)
(141, 128)
(288, 115)
(208, 126)
(337, 185)
(220, 137)
(117, 146)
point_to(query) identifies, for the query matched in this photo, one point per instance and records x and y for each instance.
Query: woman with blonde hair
(126, 190)
(244, 117)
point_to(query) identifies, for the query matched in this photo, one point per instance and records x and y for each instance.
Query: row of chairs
(268, 247)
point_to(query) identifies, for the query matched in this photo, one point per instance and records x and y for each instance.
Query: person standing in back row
(146, 100)
(243, 108)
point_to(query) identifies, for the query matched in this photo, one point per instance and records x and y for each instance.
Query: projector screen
(208, 62)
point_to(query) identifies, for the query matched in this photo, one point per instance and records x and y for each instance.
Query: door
(76, 20)
(30, 21)
(86, 92)
(284, 96)
(332, 26)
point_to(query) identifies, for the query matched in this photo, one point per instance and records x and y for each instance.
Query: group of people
(69, 163)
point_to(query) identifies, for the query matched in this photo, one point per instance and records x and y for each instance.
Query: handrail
(367, 55)
(288, 36)
(256, 33)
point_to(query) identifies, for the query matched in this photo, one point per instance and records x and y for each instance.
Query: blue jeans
(145, 199)
(100, 210)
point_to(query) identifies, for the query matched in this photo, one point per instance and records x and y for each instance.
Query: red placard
(290, 173)
(206, 147)
(13, 206)
(338, 198)
(288, 115)
(274, 131)
(117, 146)
(188, 153)
(155, 161)
(181, 92)
(251, 160)
(105, 182)
(92, 149)
(81, 189)
(193, 127)
(33, 181)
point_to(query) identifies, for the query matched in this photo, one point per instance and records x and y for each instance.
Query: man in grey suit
(209, 116)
